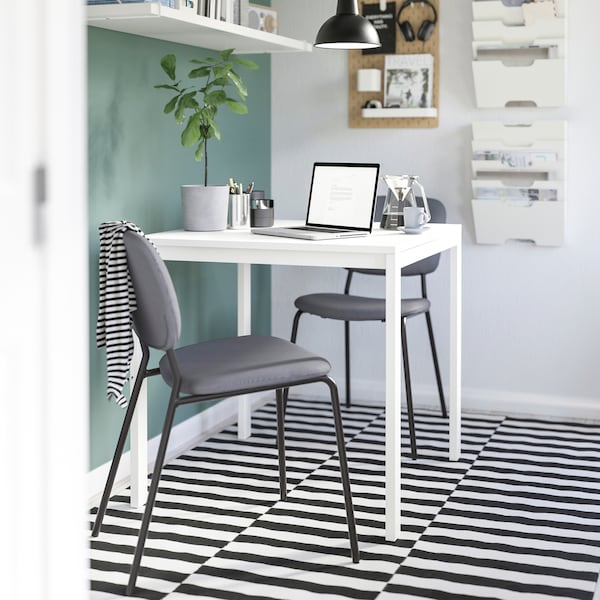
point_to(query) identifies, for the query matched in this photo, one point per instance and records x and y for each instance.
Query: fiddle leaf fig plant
(197, 101)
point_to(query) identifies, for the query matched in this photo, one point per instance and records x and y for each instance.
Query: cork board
(415, 14)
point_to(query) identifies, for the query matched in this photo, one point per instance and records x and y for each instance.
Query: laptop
(341, 203)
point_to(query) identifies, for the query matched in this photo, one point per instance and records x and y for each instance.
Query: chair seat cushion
(346, 307)
(232, 365)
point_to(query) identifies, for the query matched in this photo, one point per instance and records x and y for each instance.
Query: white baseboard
(184, 436)
(481, 401)
(576, 408)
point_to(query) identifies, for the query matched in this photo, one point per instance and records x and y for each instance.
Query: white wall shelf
(398, 113)
(151, 19)
(518, 182)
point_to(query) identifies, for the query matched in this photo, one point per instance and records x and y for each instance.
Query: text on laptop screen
(342, 195)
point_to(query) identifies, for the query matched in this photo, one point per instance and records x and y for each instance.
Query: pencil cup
(239, 211)
(261, 212)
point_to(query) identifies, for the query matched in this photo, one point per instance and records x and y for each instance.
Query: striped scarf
(116, 303)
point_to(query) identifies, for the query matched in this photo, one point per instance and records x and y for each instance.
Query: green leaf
(170, 105)
(221, 82)
(185, 101)
(168, 63)
(245, 62)
(215, 131)
(239, 84)
(199, 72)
(223, 70)
(215, 98)
(225, 54)
(189, 100)
(239, 108)
(191, 133)
(199, 152)
(166, 86)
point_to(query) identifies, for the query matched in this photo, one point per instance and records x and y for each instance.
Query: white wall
(531, 330)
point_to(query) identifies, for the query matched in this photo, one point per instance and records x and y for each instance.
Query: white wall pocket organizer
(518, 182)
(519, 56)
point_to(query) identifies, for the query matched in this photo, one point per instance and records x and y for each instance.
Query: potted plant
(196, 104)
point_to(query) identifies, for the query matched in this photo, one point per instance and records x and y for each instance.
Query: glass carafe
(403, 191)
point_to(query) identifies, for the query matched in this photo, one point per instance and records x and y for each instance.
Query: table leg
(455, 350)
(393, 360)
(244, 327)
(138, 435)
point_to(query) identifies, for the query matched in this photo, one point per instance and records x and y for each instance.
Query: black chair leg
(347, 358)
(160, 459)
(121, 443)
(281, 443)
(293, 340)
(408, 386)
(341, 445)
(436, 365)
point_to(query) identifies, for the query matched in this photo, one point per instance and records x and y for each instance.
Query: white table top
(240, 245)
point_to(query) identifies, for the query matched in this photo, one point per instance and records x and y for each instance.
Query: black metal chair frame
(404, 341)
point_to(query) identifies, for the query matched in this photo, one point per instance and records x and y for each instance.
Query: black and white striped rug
(518, 517)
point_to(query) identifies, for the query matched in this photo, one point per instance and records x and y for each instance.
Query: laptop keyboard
(325, 229)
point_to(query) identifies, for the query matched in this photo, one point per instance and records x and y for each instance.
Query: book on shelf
(408, 81)
(220, 10)
(244, 6)
(227, 11)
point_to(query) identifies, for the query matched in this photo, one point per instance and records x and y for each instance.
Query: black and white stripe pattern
(517, 517)
(115, 305)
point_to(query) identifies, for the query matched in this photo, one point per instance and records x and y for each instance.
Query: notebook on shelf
(341, 203)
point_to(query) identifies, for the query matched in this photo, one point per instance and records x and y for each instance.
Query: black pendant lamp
(347, 30)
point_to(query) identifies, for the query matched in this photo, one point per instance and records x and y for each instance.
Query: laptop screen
(343, 195)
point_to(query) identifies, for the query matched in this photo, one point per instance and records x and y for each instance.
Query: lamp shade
(347, 30)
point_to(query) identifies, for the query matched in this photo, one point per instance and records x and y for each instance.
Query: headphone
(426, 28)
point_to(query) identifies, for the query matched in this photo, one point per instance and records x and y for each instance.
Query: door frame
(45, 321)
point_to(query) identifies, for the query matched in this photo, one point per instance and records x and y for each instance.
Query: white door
(43, 305)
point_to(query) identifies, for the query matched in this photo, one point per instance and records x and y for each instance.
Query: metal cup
(239, 211)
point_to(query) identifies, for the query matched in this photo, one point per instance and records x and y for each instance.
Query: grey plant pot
(205, 207)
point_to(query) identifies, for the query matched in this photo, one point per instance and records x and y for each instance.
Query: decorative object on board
(382, 16)
(408, 81)
(368, 80)
(425, 29)
(347, 29)
(199, 103)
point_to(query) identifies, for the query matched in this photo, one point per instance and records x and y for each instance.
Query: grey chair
(206, 371)
(347, 307)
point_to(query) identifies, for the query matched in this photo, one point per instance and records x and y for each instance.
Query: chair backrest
(157, 319)
(422, 267)
(429, 264)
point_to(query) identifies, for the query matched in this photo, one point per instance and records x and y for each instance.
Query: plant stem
(205, 162)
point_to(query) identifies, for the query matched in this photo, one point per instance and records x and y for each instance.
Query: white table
(382, 250)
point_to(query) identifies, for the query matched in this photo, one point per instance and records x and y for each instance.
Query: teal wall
(136, 165)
